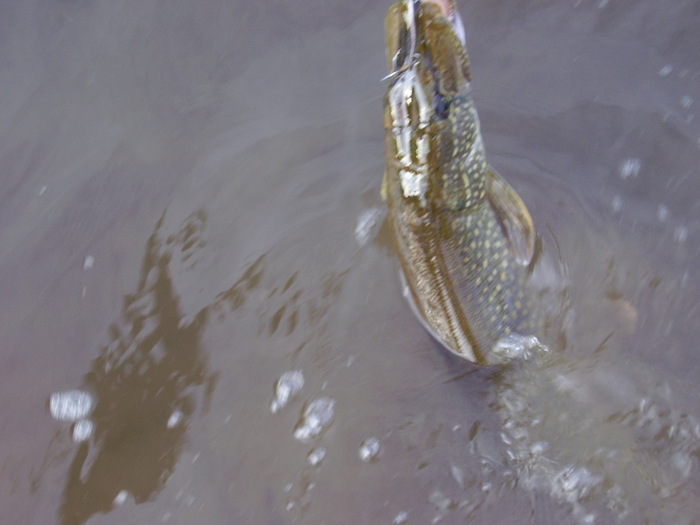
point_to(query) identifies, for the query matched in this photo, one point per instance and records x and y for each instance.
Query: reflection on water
(147, 384)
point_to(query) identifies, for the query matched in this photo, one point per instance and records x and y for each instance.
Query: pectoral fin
(513, 217)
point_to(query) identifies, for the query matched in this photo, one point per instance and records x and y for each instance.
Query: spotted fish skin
(464, 237)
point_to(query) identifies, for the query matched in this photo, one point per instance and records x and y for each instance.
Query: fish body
(464, 237)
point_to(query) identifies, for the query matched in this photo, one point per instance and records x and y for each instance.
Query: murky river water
(190, 209)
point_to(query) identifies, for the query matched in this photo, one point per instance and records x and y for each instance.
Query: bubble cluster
(318, 415)
(71, 405)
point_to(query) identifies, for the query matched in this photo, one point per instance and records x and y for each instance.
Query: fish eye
(441, 105)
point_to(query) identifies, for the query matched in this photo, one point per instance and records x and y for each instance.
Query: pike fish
(464, 237)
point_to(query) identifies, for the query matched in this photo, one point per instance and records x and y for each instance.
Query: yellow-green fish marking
(463, 236)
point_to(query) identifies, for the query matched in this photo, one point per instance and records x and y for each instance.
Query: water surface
(190, 209)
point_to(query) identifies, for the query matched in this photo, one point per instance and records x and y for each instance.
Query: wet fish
(464, 237)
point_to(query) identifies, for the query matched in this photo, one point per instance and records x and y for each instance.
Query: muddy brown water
(190, 209)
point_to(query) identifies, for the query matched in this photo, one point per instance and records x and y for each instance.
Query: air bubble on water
(442, 503)
(316, 456)
(366, 222)
(400, 518)
(662, 213)
(680, 234)
(318, 415)
(82, 430)
(687, 101)
(369, 450)
(457, 474)
(121, 497)
(288, 385)
(89, 262)
(616, 203)
(175, 418)
(71, 405)
(630, 168)
(666, 70)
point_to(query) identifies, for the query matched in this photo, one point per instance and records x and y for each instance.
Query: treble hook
(411, 57)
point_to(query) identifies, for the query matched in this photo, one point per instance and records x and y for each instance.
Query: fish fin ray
(513, 217)
(466, 351)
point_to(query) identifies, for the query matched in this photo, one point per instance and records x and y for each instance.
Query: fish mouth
(426, 36)
(449, 12)
(402, 36)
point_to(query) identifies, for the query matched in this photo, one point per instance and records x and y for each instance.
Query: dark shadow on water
(148, 382)
(144, 382)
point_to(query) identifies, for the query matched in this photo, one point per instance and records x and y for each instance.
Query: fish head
(429, 116)
(428, 34)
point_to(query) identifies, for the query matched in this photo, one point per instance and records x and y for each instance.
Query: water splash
(518, 347)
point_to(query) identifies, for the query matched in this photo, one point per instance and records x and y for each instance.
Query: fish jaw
(448, 9)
